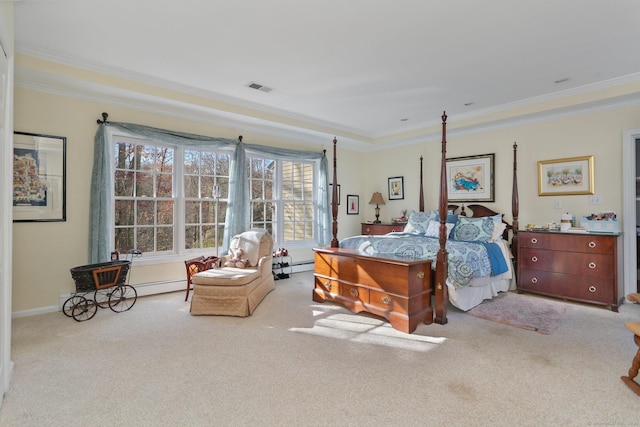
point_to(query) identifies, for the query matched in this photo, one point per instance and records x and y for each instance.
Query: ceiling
(371, 69)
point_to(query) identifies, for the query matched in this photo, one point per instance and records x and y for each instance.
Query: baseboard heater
(152, 288)
(298, 267)
(144, 289)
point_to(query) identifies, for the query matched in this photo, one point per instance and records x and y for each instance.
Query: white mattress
(482, 288)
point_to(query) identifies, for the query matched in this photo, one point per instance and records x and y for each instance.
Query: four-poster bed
(360, 274)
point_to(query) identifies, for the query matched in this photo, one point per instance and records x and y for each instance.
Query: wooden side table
(373, 229)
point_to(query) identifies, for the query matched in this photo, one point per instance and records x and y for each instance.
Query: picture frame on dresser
(39, 177)
(471, 178)
(568, 176)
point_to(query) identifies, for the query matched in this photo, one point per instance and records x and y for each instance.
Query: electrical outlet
(594, 200)
(557, 204)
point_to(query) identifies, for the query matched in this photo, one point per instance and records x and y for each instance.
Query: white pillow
(249, 241)
(433, 229)
(498, 229)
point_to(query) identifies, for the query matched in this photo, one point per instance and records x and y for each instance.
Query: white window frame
(180, 252)
(278, 203)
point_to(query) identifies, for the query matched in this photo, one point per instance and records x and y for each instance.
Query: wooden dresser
(572, 266)
(369, 228)
(395, 288)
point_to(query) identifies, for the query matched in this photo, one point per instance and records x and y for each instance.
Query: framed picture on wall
(353, 204)
(568, 176)
(471, 178)
(39, 177)
(396, 188)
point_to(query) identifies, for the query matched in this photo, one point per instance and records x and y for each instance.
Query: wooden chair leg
(633, 371)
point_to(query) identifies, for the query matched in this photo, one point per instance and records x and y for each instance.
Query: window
(261, 174)
(206, 185)
(171, 200)
(288, 201)
(144, 201)
(298, 206)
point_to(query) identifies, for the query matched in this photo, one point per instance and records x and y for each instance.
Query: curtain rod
(104, 118)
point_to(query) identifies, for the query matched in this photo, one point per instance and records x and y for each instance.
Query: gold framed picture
(569, 176)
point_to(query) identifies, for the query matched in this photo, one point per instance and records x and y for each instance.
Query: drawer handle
(534, 258)
(420, 275)
(534, 240)
(353, 292)
(328, 285)
(592, 289)
(592, 265)
(592, 245)
(386, 300)
(534, 280)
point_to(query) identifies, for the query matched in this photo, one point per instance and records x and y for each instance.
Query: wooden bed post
(441, 299)
(421, 204)
(334, 198)
(515, 203)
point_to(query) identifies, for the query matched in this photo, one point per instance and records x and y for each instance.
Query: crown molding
(317, 132)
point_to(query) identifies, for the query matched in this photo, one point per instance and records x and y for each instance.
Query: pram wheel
(67, 307)
(122, 298)
(85, 309)
(101, 297)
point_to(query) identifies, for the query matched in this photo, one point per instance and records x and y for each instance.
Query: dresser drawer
(354, 293)
(569, 286)
(568, 242)
(379, 229)
(327, 285)
(596, 265)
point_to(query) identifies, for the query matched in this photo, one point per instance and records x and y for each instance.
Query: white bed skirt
(482, 288)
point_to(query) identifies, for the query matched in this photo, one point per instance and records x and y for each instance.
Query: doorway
(631, 209)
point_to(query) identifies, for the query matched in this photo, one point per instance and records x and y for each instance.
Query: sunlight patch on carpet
(368, 330)
(524, 311)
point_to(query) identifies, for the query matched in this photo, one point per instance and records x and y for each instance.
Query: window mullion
(179, 201)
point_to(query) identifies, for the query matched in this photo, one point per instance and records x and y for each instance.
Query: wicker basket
(99, 276)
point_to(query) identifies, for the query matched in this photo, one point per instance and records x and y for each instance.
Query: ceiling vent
(256, 86)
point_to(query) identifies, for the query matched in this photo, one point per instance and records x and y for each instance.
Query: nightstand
(369, 228)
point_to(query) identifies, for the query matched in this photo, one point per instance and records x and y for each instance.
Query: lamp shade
(376, 199)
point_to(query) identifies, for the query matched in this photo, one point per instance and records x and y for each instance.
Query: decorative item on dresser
(373, 229)
(578, 267)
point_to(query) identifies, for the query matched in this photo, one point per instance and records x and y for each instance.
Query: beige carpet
(524, 311)
(300, 363)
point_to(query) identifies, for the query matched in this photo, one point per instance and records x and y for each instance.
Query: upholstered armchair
(235, 291)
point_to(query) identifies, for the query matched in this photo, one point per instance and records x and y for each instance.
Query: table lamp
(377, 199)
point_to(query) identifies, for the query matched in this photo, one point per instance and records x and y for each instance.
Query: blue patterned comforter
(466, 260)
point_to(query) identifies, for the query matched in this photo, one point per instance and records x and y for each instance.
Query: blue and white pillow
(434, 229)
(418, 222)
(473, 229)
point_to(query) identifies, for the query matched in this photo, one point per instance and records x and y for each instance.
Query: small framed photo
(331, 193)
(396, 188)
(568, 176)
(353, 204)
(39, 181)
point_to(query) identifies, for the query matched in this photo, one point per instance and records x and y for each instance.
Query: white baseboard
(143, 289)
